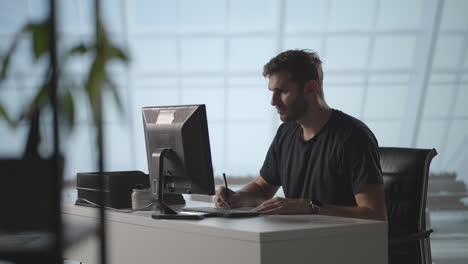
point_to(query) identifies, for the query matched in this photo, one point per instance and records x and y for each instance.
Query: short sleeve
(270, 168)
(362, 160)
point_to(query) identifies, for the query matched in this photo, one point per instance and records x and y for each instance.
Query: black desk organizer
(118, 187)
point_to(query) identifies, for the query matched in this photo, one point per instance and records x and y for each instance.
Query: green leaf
(39, 100)
(67, 107)
(94, 86)
(115, 52)
(4, 115)
(115, 94)
(5, 65)
(40, 38)
(103, 39)
(79, 49)
(6, 59)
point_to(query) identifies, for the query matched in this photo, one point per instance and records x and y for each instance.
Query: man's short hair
(302, 66)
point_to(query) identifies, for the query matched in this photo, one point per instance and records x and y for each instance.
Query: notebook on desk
(223, 212)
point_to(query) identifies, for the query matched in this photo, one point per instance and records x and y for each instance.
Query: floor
(449, 242)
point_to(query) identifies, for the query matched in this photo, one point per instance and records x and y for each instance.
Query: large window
(401, 66)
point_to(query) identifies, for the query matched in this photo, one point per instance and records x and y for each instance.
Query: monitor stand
(165, 211)
(164, 208)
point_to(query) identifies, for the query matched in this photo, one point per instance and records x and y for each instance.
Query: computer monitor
(178, 151)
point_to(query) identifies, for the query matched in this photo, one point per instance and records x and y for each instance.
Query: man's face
(287, 98)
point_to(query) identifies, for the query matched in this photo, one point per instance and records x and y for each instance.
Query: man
(326, 161)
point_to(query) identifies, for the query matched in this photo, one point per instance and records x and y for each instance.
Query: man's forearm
(252, 195)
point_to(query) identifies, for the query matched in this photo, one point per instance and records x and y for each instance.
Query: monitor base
(178, 216)
(163, 208)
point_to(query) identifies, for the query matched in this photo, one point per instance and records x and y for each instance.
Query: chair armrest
(410, 237)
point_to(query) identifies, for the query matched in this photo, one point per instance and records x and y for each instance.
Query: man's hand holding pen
(227, 198)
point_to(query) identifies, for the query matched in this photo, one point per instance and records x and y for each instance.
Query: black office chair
(406, 174)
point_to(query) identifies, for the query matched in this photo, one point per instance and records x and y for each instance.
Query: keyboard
(223, 212)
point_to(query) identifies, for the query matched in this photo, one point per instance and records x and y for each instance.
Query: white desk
(137, 238)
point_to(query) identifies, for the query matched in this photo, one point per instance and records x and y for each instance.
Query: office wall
(401, 66)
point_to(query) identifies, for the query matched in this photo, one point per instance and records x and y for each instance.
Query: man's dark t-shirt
(331, 167)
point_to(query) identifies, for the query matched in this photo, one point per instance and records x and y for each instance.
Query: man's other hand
(280, 205)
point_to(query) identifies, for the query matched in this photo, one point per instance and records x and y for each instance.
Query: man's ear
(311, 88)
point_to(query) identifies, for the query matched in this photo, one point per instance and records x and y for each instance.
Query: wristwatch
(314, 206)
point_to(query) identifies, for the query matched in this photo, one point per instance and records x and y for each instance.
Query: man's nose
(274, 99)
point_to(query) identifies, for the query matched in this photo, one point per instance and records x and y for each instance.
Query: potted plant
(24, 179)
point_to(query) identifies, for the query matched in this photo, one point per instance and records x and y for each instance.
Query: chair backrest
(406, 174)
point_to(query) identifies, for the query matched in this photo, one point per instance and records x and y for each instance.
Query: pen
(225, 184)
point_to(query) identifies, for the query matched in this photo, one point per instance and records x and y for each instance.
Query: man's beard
(295, 110)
